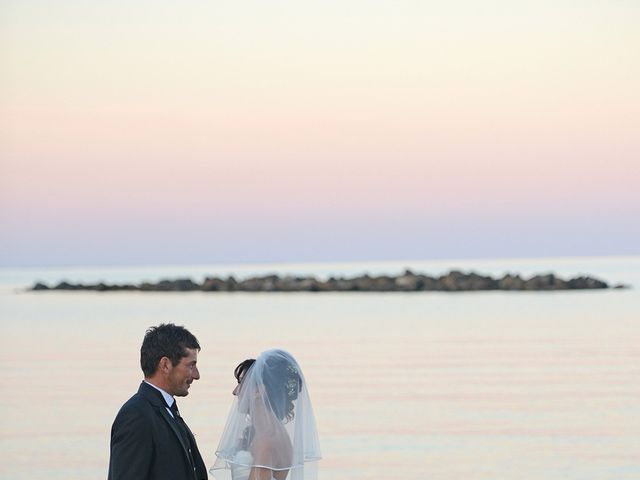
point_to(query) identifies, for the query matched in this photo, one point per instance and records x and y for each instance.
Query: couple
(270, 433)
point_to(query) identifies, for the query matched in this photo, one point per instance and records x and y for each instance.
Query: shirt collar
(167, 397)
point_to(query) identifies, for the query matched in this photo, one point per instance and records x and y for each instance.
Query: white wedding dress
(241, 469)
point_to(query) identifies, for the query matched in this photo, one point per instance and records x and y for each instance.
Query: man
(149, 439)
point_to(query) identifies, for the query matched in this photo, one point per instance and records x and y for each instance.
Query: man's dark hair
(165, 340)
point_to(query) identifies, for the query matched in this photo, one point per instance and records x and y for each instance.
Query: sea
(408, 386)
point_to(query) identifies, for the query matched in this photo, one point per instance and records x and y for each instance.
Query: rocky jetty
(454, 281)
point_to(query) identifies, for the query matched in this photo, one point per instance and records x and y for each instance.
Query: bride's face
(244, 403)
(235, 390)
(239, 385)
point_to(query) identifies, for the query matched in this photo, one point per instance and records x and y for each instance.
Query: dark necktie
(182, 427)
(180, 422)
(174, 410)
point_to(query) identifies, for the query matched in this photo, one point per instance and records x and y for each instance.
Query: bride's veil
(271, 423)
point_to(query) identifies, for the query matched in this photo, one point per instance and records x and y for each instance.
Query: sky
(137, 133)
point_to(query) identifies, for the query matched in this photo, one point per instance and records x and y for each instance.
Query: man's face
(185, 372)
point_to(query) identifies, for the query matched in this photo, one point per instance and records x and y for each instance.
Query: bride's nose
(235, 390)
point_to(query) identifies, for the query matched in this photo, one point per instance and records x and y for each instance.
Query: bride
(271, 431)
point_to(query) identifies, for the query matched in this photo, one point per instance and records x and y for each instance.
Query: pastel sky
(157, 132)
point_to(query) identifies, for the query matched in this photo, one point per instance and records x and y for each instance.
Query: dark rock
(231, 285)
(511, 282)
(147, 287)
(185, 285)
(452, 282)
(212, 284)
(545, 282)
(407, 282)
(383, 283)
(258, 284)
(479, 282)
(586, 283)
(165, 286)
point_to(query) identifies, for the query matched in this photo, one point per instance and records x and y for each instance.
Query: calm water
(485, 385)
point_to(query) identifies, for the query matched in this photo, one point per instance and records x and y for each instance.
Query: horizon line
(317, 262)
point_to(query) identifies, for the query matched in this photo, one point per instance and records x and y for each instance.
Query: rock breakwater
(454, 281)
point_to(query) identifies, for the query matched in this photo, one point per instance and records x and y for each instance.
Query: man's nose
(196, 373)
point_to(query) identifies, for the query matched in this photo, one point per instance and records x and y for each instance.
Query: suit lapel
(172, 423)
(155, 398)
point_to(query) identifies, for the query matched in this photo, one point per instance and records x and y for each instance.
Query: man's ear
(164, 365)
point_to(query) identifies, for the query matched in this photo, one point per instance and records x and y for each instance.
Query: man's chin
(184, 392)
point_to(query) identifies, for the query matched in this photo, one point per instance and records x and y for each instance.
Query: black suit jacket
(146, 443)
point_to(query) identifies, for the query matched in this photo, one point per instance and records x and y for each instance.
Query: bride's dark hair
(243, 368)
(283, 383)
(281, 380)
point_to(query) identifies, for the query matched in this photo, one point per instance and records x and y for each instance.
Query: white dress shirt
(167, 398)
